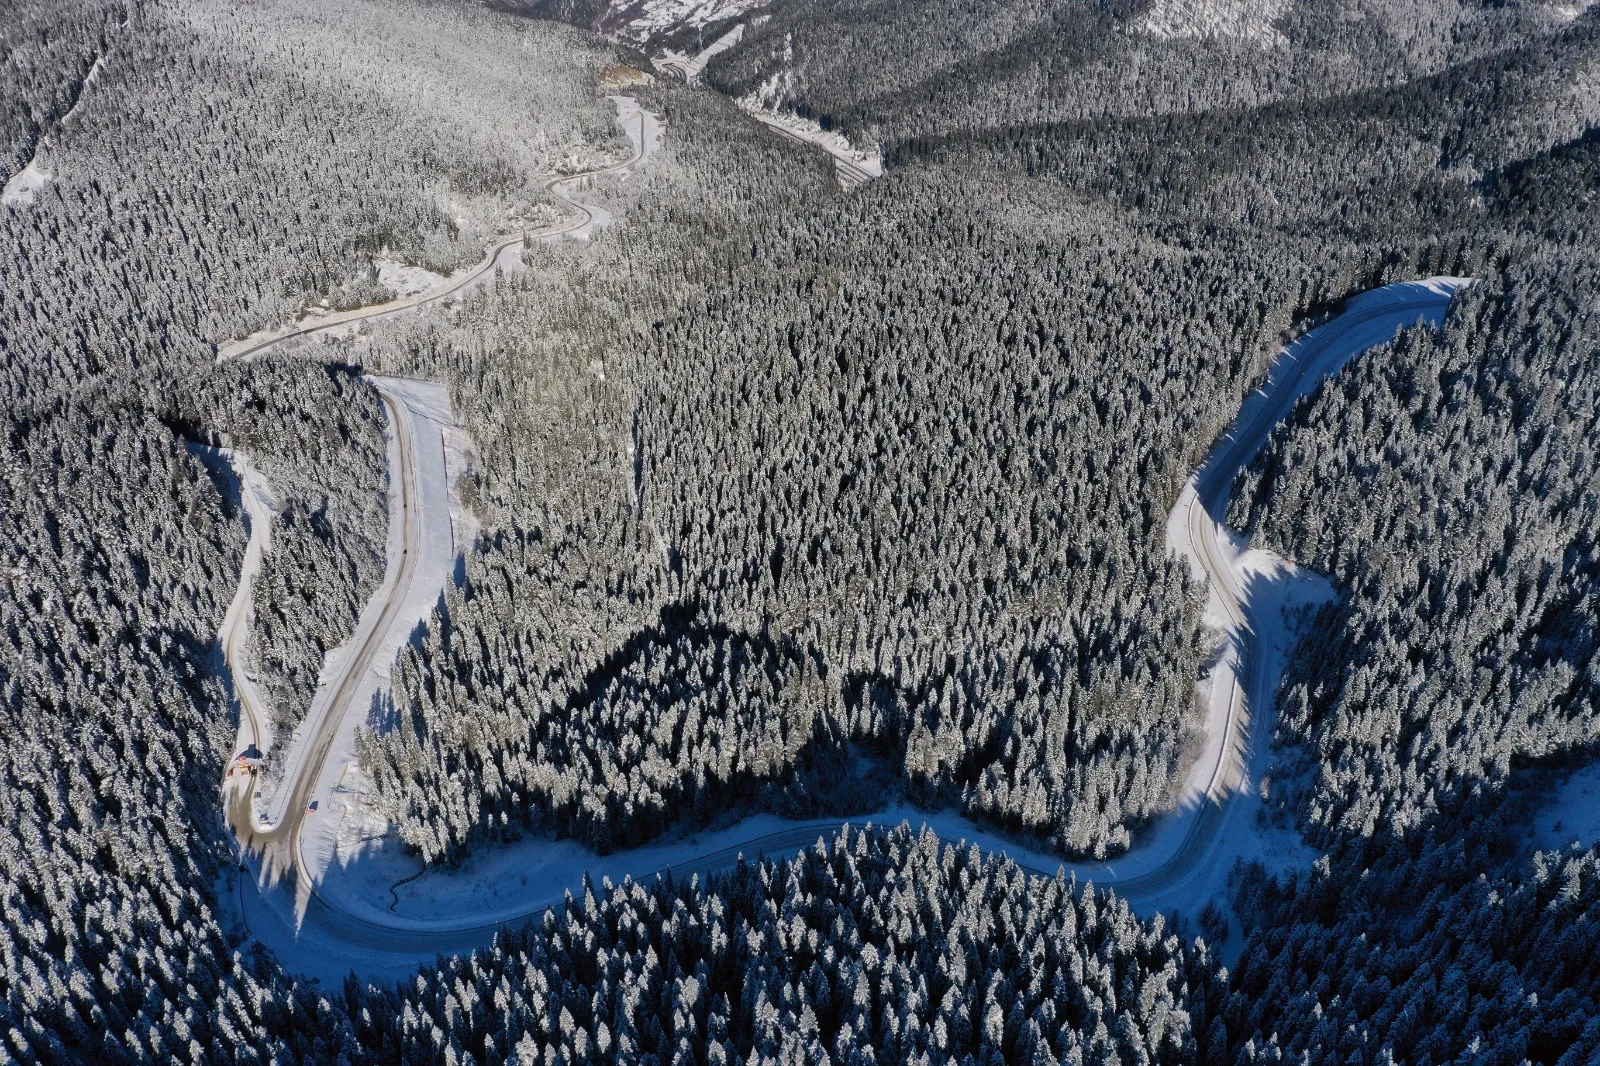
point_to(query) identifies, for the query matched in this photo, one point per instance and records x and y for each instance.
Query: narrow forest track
(254, 494)
(1188, 841)
(581, 220)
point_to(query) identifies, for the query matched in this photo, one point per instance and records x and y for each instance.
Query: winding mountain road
(642, 128)
(276, 838)
(274, 842)
(1189, 842)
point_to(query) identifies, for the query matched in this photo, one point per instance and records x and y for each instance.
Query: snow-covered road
(421, 554)
(851, 166)
(256, 498)
(343, 911)
(1251, 597)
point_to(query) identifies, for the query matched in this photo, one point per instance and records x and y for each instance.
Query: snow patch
(1566, 13)
(405, 279)
(26, 184)
(1572, 815)
(1245, 20)
(642, 127)
(83, 90)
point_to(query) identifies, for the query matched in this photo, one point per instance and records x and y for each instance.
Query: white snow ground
(645, 134)
(358, 865)
(405, 279)
(1572, 815)
(25, 184)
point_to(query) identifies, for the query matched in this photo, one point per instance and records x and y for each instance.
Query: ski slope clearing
(358, 901)
(584, 220)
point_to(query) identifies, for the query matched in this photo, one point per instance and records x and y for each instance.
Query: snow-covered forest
(805, 501)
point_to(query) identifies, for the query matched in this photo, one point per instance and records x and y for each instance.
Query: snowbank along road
(644, 134)
(1180, 863)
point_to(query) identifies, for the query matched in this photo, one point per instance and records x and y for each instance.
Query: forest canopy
(804, 501)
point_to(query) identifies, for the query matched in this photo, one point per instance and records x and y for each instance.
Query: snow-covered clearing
(643, 129)
(406, 279)
(1572, 815)
(1245, 20)
(25, 184)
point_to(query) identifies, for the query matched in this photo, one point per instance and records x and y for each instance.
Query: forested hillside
(856, 66)
(937, 600)
(1448, 483)
(802, 501)
(888, 465)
